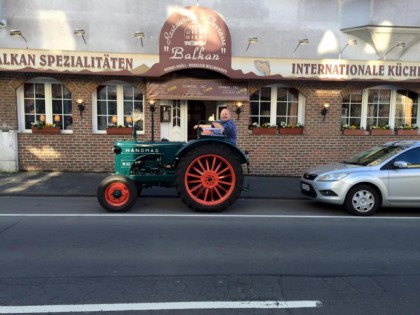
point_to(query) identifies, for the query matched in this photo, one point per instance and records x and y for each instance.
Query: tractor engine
(148, 165)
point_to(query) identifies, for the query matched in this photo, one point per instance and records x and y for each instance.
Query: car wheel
(362, 200)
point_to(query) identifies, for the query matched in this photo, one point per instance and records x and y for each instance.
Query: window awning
(384, 38)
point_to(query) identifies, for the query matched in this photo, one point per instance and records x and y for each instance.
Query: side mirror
(400, 164)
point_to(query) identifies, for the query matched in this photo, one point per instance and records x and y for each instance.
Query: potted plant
(113, 129)
(407, 130)
(42, 127)
(352, 130)
(380, 130)
(264, 129)
(290, 129)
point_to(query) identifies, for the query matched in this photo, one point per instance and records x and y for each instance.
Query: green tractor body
(207, 172)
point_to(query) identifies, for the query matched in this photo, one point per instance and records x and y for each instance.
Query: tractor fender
(243, 158)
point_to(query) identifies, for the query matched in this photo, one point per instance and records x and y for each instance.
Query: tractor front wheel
(117, 193)
(209, 178)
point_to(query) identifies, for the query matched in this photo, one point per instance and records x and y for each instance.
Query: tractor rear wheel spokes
(117, 193)
(209, 179)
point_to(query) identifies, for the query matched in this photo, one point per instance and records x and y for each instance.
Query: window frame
(273, 104)
(120, 106)
(49, 119)
(392, 105)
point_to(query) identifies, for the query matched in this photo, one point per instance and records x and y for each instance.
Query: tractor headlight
(332, 177)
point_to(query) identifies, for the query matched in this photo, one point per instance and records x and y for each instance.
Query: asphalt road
(69, 254)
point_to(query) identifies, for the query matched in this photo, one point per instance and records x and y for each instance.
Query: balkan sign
(195, 37)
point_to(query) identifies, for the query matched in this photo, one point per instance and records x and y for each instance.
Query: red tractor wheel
(117, 193)
(209, 178)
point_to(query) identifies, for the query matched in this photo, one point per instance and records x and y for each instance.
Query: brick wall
(8, 112)
(321, 142)
(271, 155)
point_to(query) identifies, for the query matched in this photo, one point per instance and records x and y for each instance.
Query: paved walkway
(86, 184)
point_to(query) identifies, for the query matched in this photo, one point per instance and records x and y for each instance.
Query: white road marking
(162, 215)
(33, 309)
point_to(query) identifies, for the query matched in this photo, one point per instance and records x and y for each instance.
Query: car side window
(412, 157)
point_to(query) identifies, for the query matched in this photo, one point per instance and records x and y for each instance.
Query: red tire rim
(117, 194)
(210, 180)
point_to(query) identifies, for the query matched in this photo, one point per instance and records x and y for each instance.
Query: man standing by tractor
(227, 124)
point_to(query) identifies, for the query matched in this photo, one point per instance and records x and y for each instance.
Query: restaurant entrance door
(196, 115)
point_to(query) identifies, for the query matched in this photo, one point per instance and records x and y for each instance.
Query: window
(118, 105)
(378, 107)
(352, 109)
(275, 104)
(412, 157)
(61, 106)
(261, 106)
(406, 106)
(287, 106)
(44, 100)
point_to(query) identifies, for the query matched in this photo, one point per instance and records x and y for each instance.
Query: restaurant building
(311, 71)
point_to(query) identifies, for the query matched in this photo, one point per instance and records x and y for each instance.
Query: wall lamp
(350, 42)
(238, 109)
(152, 105)
(139, 35)
(80, 106)
(324, 110)
(302, 41)
(19, 33)
(399, 45)
(252, 41)
(152, 109)
(80, 32)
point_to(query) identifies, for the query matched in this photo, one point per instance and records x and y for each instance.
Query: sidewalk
(86, 184)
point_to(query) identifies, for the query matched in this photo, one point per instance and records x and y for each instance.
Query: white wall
(278, 24)
(8, 149)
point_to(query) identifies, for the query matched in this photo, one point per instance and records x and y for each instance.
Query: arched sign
(195, 38)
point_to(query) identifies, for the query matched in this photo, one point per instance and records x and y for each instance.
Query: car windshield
(375, 155)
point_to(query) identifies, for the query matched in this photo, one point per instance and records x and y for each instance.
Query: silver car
(387, 176)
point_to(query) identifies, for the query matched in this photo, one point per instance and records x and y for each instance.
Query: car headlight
(332, 177)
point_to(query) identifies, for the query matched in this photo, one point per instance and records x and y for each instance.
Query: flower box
(354, 132)
(264, 131)
(119, 131)
(407, 132)
(46, 130)
(290, 131)
(380, 132)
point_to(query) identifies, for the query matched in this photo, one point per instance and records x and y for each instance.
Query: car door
(404, 183)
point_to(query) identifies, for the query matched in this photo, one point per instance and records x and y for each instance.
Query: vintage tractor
(207, 172)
